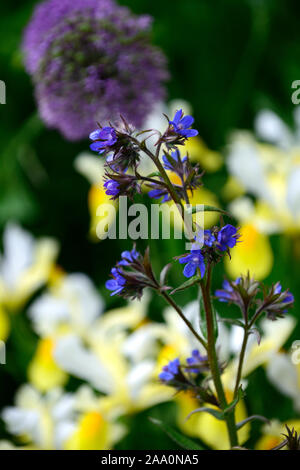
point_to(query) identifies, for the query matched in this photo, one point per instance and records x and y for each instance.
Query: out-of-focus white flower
(42, 421)
(104, 360)
(24, 266)
(284, 374)
(270, 171)
(71, 301)
(59, 420)
(71, 304)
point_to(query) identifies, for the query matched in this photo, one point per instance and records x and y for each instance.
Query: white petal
(293, 192)
(18, 253)
(85, 301)
(72, 357)
(139, 376)
(47, 313)
(283, 374)
(271, 128)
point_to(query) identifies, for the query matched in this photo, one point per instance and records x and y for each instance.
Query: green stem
(213, 361)
(241, 361)
(181, 314)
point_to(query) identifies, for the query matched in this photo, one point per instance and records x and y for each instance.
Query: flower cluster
(244, 292)
(117, 145)
(179, 130)
(92, 60)
(189, 376)
(215, 242)
(131, 275)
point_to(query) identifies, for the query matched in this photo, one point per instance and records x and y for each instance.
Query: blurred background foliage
(229, 59)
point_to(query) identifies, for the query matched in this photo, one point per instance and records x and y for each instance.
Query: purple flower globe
(90, 61)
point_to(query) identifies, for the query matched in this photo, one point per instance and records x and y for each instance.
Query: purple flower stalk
(92, 61)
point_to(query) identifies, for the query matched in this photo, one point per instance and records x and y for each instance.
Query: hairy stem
(213, 360)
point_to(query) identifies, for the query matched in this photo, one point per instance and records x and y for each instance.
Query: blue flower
(129, 257)
(196, 359)
(116, 284)
(170, 371)
(112, 188)
(209, 238)
(176, 156)
(181, 125)
(227, 237)
(286, 296)
(193, 261)
(103, 138)
(227, 294)
(159, 193)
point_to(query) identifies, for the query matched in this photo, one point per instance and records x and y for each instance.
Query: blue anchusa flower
(131, 275)
(182, 125)
(112, 188)
(197, 363)
(128, 257)
(117, 284)
(159, 193)
(227, 237)
(228, 293)
(103, 139)
(120, 184)
(209, 238)
(193, 261)
(170, 371)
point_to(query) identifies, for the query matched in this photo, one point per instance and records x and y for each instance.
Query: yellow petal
(4, 325)
(97, 197)
(198, 152)
(253, 253)
(43, 372)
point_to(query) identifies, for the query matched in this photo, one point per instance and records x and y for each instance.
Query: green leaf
(251, 418)
(206, 208)
(212, 411)
(176, 436)
(190, 282)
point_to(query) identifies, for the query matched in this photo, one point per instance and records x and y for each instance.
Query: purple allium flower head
(170, 371)
(91, 60)
(227, 237)
(193, 261)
